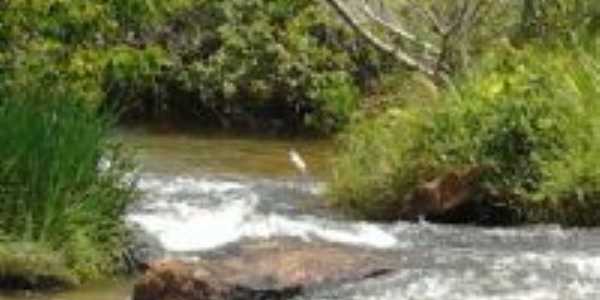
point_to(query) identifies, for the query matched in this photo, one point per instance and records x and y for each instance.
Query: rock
(269, 271)
(458, 197)
(443, 196)
(174, 280)
(143, 248)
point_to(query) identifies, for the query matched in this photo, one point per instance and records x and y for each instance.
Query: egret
(297, 161)
(304, 181)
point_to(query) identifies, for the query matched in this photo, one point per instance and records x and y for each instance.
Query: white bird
(297, 161)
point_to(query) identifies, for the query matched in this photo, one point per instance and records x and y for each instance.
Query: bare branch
(433, 37)
(398, 53)
(398, 30)
(428, 15)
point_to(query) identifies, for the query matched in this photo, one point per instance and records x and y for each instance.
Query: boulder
(175, 280)
(458, 197)
(263, 272)
(442, 195)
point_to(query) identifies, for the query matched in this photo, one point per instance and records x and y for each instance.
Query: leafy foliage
(559, 18)
(229, 62)
(530, 115)
(70, 44)
(255, 62)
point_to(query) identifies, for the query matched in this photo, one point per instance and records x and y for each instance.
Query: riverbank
(118, 288)
(30, 266)
(515, 141)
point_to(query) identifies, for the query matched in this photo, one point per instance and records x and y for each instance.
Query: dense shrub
(71, 43)
(549, 19)
(238, 63)
(253, 63)
(54, 192)
(529, 115)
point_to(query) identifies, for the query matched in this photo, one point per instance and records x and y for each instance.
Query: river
(205, 194)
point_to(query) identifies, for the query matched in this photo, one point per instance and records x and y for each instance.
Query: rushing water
(204, 195)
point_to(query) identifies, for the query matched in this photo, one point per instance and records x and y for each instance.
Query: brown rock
(444, 195)
(458, 197)
(174, 280)
(271, 271)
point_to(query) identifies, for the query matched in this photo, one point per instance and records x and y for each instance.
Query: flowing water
(205, 195)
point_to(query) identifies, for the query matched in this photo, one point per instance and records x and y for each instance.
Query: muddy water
(214, 154)
(115, 289)
(209, 194)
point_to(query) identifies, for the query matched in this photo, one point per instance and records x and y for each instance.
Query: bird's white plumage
(297, 161)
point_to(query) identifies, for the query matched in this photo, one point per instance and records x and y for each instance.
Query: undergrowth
(529, 114)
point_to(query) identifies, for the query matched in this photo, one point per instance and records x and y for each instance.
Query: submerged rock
(270, 271)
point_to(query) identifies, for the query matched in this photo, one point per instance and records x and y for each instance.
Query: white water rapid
(196, 216)
(207, 195)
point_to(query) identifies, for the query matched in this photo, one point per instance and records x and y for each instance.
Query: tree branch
(396, 52)
(398, 29)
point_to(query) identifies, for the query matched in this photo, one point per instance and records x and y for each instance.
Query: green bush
(52, 192)
(551, 19)
(253, 64)
(71, 44)
(529, 115)
(232, 63)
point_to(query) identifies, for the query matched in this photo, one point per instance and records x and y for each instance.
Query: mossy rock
(32, 266)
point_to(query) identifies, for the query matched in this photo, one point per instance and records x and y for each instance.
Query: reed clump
(54, 199)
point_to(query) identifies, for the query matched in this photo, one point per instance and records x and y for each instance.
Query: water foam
(186, 184)
(442, 262)
(194, 225)
(189, 228)
(308, 228)
(455, 285)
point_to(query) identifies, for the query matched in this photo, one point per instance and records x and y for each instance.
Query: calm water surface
(213, 154)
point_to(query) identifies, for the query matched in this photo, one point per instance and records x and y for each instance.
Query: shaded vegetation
(280, 63)
(277, 64)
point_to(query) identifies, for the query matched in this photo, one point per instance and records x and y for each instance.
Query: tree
(435, 37)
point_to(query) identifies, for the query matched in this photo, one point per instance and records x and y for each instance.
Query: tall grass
(530, 114)
(52, 193)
